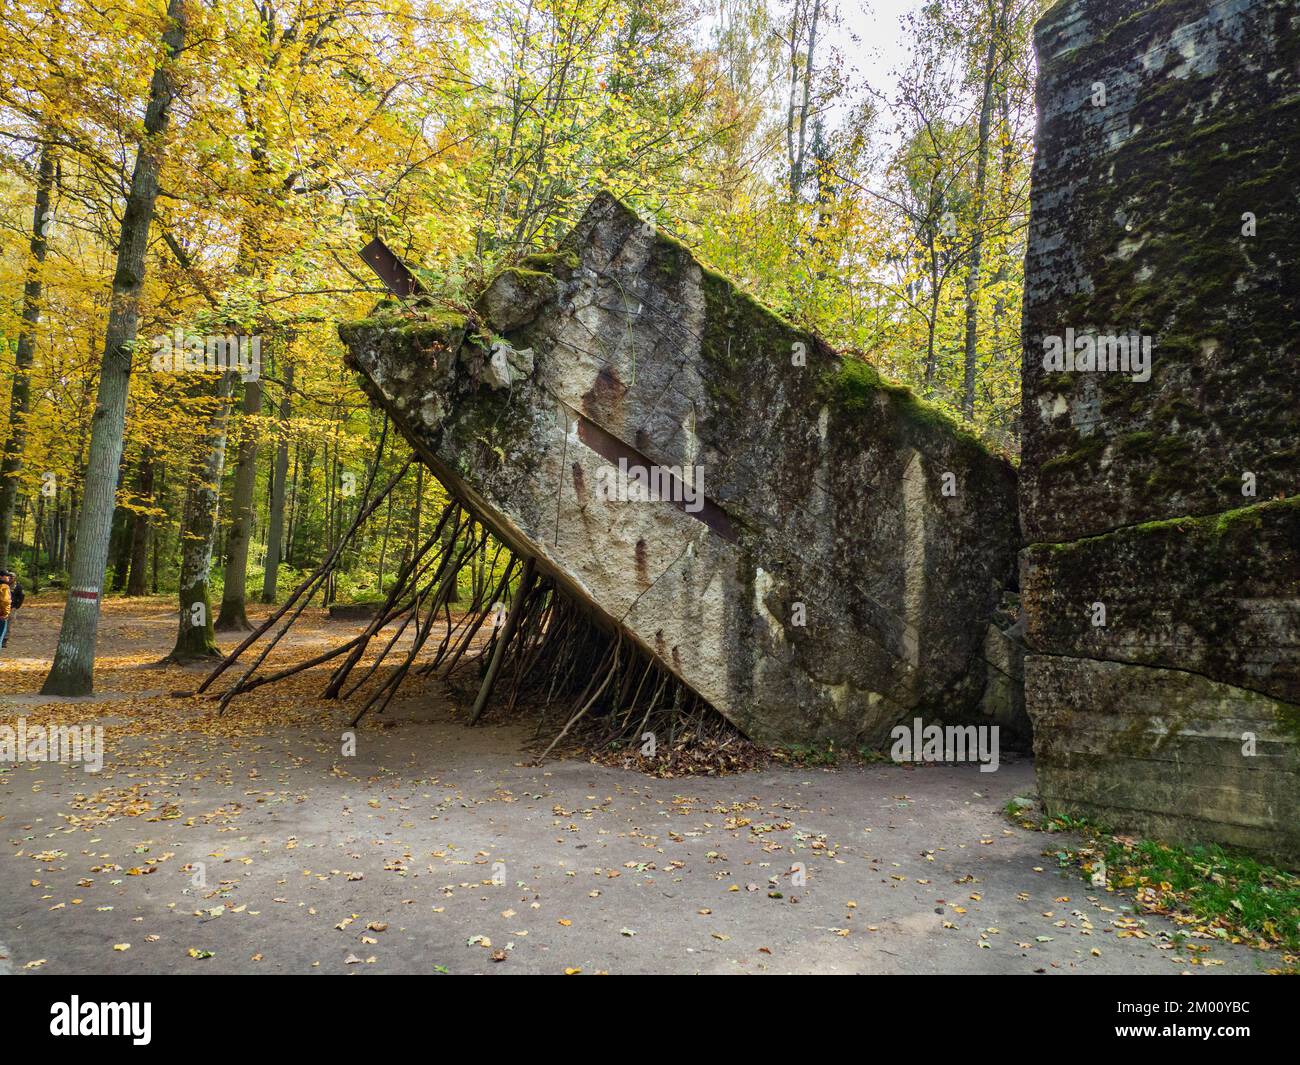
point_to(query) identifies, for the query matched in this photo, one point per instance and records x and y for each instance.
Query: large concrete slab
(1215, 595)
(837, 548)
(1166, 753)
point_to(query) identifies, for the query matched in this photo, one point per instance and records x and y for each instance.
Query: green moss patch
(558, 262)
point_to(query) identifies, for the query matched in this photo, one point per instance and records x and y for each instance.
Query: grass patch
(1017, 810)
(1205, 890)
(1230, 896)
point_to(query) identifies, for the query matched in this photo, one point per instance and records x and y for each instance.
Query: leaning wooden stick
(503, 639)
(609, 674)
(311, 582)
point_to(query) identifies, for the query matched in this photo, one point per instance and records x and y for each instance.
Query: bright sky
(872, 39)
(874, 44)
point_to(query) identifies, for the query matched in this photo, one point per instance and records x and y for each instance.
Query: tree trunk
(234, 617)
(54, 555)
(35, 569)
(141, 527)
(326, 524)
(449, 543)
(121, 547)
(20, 401)
(300, 542)
(70, 528)
(977, 227)
(280, 475)
(931, 321)
(797, 162)
(154, 552)
(73, 671)
(413, 530)
(195, 636)
(383, 546)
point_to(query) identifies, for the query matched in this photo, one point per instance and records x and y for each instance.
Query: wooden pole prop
(503, 638)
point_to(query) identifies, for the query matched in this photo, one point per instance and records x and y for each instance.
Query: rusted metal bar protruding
(391, 270)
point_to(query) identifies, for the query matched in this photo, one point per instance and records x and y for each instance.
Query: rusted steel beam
(391, 270)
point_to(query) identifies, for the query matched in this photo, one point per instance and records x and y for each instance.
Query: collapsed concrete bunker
(831, 552)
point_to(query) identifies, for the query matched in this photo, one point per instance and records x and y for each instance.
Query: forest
(613, 486)
(178, 176)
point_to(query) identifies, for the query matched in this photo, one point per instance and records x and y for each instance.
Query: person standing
(16, 597)
(6, 605)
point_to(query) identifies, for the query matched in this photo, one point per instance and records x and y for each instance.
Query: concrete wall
(1161, 584)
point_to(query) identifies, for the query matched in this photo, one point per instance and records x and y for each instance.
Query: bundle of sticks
(539, 649)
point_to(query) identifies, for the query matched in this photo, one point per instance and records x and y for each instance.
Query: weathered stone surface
(1003, 701)
(1165, 753)
(1137, 228)
(1215, 595)
(515, 296)
(837, 549)
(1164, 206)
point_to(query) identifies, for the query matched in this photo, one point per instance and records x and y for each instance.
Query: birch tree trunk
(279, 482)
(797, 160)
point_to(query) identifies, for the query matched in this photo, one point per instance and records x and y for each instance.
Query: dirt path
(256, 840)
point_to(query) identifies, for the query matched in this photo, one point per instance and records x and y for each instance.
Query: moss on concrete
(739, 328)
(558, 262)
(431, 324)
